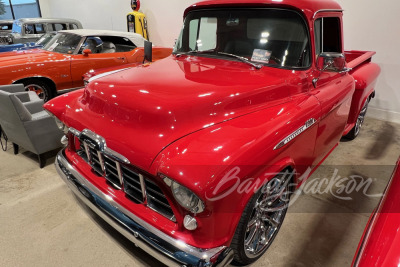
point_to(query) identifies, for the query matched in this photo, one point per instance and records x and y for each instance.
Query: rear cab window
(73, 26)
(57, 27)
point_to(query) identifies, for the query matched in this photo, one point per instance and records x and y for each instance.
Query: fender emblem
(296, 133)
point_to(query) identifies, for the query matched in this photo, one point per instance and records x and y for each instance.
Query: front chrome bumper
(161, 246)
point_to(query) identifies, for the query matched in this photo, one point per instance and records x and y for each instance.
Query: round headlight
(187, 198)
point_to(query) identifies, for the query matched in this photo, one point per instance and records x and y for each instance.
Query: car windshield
(45, 39)
(64, 43)
(17, 27)
(267, 36)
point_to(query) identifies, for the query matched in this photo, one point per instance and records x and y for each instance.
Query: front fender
(227, 163)
(58, 106)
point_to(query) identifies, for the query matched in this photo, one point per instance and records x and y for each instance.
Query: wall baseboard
(383, 114)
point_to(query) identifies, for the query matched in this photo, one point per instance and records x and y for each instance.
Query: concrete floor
(43, 224)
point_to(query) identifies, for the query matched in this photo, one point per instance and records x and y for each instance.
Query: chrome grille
(4, 40)
(137, 188)
(133, 185)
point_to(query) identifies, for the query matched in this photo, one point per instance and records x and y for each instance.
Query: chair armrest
(13, 88)
(34, 106)
(23, 96)
(44, 134)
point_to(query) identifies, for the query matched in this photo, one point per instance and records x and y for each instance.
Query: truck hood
(142, 110)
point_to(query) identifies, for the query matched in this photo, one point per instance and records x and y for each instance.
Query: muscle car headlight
(184, 196)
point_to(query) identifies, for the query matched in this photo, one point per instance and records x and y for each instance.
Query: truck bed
(354, 58)
(365, 74)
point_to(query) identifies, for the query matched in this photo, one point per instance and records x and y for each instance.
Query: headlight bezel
(192, 203)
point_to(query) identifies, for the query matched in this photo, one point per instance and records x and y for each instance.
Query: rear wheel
(261, 220)
(360, 121)
(42, 88)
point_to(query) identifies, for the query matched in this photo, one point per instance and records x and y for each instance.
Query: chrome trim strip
(89, 156)
(64, 91)
(143, 186)
(101, 75)
(147, 237)
(103, 166)
(296, 133)
(75, 132)
(115, 155)
(327, 10)
(121, 180)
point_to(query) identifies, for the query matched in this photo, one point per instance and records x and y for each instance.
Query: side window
(328, 35)
(39, 29)
(29, 29)
(107, 44)
(73, 26)
(114, 44)
(58, 27)
(94, 43)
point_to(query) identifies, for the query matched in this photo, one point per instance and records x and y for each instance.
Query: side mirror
(331, 62)
(86, 52)
(334, 62)
(148, 51)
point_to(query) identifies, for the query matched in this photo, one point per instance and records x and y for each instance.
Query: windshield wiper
(212, 51)
(243, 59)
(178, 54)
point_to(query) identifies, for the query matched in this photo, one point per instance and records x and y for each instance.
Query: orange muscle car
(60, 64)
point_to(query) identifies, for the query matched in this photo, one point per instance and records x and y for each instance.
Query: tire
(261, 220)
(42, 88)
(360, 120)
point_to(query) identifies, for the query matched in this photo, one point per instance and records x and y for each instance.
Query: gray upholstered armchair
(26, 124)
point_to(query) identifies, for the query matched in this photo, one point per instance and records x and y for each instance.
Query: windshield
(45, 39)
(268, 36)
(16, 28)
(63, 43)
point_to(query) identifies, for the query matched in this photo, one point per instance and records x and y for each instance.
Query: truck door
(334, 90)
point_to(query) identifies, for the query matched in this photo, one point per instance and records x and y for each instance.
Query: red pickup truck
(194, 157)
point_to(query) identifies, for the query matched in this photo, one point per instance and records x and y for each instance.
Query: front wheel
(42, 89)
(261, 220)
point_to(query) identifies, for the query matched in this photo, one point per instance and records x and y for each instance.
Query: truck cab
(29, 30)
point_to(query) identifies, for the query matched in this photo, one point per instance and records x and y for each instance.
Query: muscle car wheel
(42, 89)
(360, 120)
(261, 220)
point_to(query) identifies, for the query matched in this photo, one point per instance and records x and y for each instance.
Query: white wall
(368, 25)
(164, 17)
(374, 25)
(94, 14)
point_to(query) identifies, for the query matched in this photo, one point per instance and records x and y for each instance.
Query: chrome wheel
(40, 91)
(360, 119)
(42, 88)
(267, 216)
